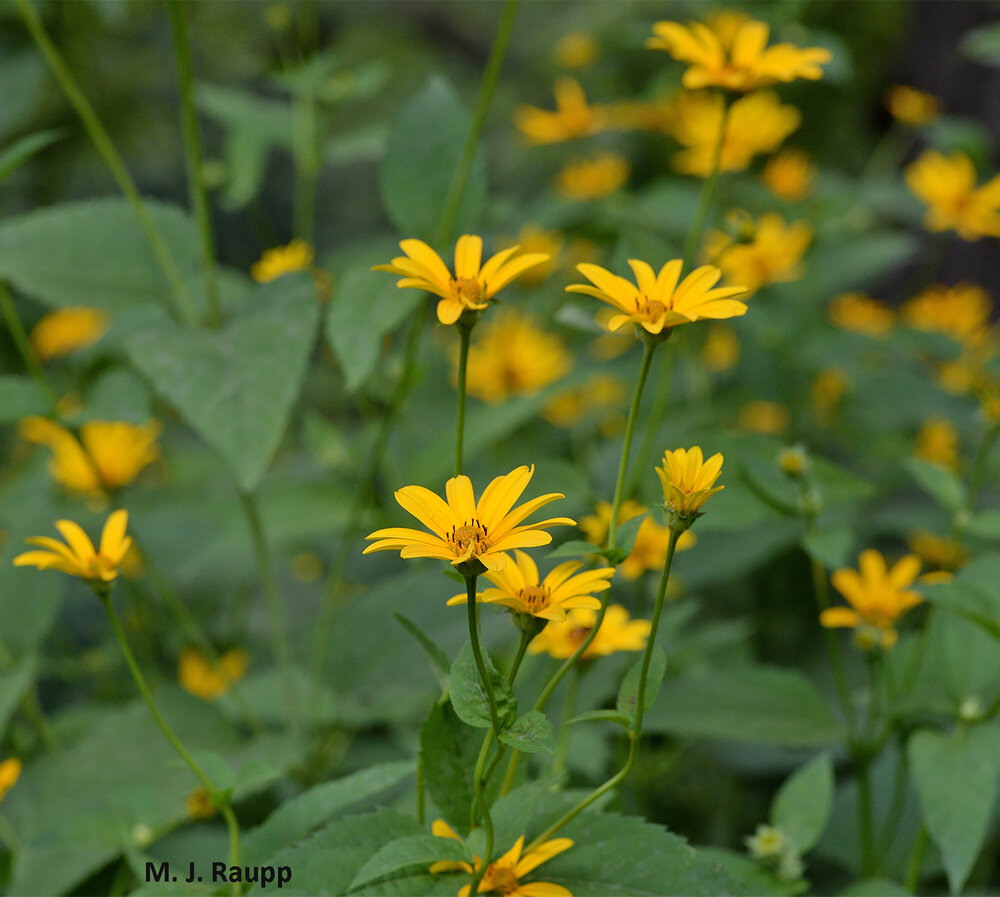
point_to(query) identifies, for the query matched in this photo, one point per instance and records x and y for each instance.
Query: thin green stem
(421, 789)
(515, 666)
(915, 864)
(477, 651)
(24, 347)
(179, 27)
(661, 400)
(479, 799)
(465, 333)
(569, 709)
(707, 190)
(170, 735)
(275, 608)
(102, 142)
(307, 165)
(891, 825)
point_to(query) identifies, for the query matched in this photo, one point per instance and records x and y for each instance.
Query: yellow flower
(827, 390)
(572, 117)
(961, 312)
(512, 356)
(462, 530)
(757, 123)
(658, 302)
(109, 454)
(617, 633)
(503, 876)
(878, 596)
(947, 185)
(472, 286)
(296, 256)
(938, 552)
(532, 238)
(64, 331)
(722, 348)
(206, 680)
(789, 174)
(518, 588)
(650, 548)
(593, 178)
(764, 417)
(10, 772)
(78, 557)
(688, 480)
(911, 106)
(772, 255)
(937, 442)
(198, 806)
(738, 61)
(575, 50)
(862, 314)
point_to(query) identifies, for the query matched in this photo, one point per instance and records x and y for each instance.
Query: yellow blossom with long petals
(462, 530)
(10, 772)
(878, 596)
(938, 552)
(207, 680)
(594, 177)
(689, 480)
(274, 263)
(961, 312)
(519, 588)
(65, 331)
(77, 556)
(617, 633)
(911, 106)
(862, 314)
(772, 255)
(947, 186)
(743, 62)
(657, 302)
(473, 284)
(789, 174)
(572, 117)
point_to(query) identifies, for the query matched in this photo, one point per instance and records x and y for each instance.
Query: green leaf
(439, 660)
(15, 155)
(575, 548)
(468, 696)
(831, 547)
(299, 817)
(628, 695)
(235, 387)
(751, 703)
(801, 808)
(982, 45)
(14, 682)
(366, 306)
(20, 397)
(531, 734)
(611, 716)
(412, 850)
(422, 152)
(940, 484)
(875, 887)
(449, 750)
(957, 777)
(986, 525)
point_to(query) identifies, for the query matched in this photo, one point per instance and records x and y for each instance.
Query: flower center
(503, 879)
(654, 309)
(470, 537)
(468, 290)
(535, 598)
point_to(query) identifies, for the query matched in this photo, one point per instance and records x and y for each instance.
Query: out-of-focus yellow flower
(296, 256)
(600, 392)
(462, 531)
(722, 348)
(657, 302)
(937, 552)
(572, 117)
(760, 416)
(911, 106)
(307, 566)
(862, 314)
(108, 456)
(534, 239)
(575, 50)
(827, 390)
(789, 174)
(617, 633)
(689, 480)
(947, 186)
(962, 375)
(77, 556)
(937, 442)
(656, 114)
(793, 461)
(593, 178)
(197, 805)
(513, 356)
(755, 124)
(64, 331)
(519, 588)
(472, 286)
(10, 772)
(989, 402)
(207, 680)
(878, 597)
(736, 58)
(649, 550)
(772, 255)
(961, 312)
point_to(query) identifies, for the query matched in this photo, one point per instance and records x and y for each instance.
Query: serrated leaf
(449, 749)
(940, 484)
(412, 850)
(801, 808)
(439, 660)
(830, 546)
(469, 697)
(532, 733)
(20, 397)
(629, 693)
(235, 387)
(611, 716)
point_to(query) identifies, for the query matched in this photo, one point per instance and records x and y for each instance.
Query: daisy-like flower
(473, 284)
(518, 588)
(206, 680)
(862, 314)
(617, 633)
(961, 312)
(503, 876)
(77, 556)
(789, 174)
(274, 263)
(656, 302)
(771, 253)
(689, 480)
(594, 177)
(937, 442)
(947, 185)
(10, 772)
(741, 61)
(911, 106)
(878, 597)
(64, 331)
(572, 116)
(471, 536)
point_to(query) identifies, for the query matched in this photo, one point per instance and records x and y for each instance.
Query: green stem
(522, 647)
(866, 830)
(916, 861)
(569, 709)
(661, 399)
(105, 147)
(179, 27)
(275, 608)
(465, 332)
(707, 190)
(978, 473)
(477, 651)
(168, 733)
(307, 165)
(421, 789)
(895, 814)
(25, 348)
